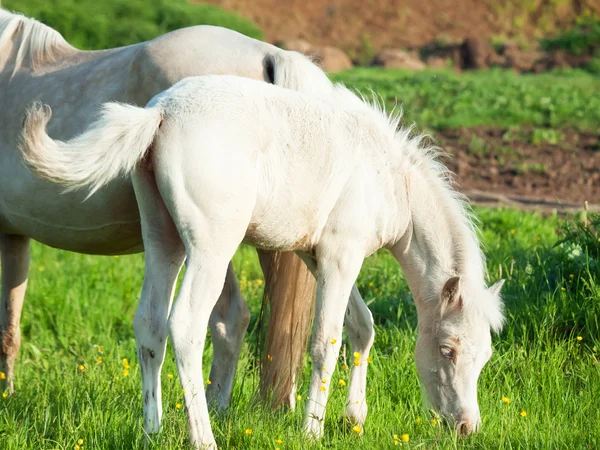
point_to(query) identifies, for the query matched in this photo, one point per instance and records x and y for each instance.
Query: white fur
(334, 181)
(37, 64)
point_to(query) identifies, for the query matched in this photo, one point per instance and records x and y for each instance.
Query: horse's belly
(106, 223)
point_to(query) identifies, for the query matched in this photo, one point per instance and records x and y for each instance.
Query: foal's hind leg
(359, 324)
(228, 323)
(164, 256)
(14, 251)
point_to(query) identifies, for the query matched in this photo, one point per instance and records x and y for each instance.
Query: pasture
(78, 378)
(78, 381)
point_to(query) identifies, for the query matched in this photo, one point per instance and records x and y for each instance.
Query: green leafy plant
(91, 24)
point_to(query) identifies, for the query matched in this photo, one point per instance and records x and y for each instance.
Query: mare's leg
(336, 275)
(228, 323)
(164, 256)
(14, 252)
(359, 325)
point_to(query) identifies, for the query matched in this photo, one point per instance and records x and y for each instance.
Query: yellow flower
(333, 341)
(395, 436)
(269, 357)
(396, 442)
(4, 394)
(357, 429)
(115, 256)
(278, 441)
(323, 388)
(523, 413)
(100, 349)
(418, 420)
(80, 441)
(248, 431)
(208, 381)
(371, 284)
(571, 276)
(324, 380)
(433, 421)
(116, 378)
(2, 376)
(506, 400)
(513, 231)
(562, 289)
(170, 376)
(369, 360)
(81, 367)
(126, 373)
(298, 397)
(356, 355)
(77, 447)
(357, 362)
(405, 437)
(259, 282)
(178, 406)
(579, 338)
(126, 363)
(99, 359)
(342, 383)
(183, 391)
(345, 367)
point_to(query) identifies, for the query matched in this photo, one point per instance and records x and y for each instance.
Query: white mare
(234, 160)
(37, 64)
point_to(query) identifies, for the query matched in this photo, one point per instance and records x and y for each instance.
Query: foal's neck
(439, 242)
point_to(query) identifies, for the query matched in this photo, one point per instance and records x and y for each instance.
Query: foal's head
(454, 344)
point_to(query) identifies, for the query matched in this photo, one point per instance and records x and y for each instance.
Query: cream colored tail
(290, 291)
(111, 146)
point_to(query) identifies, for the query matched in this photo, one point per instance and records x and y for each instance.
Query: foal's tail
(112, 146)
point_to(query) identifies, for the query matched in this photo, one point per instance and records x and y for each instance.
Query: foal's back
(304, 163)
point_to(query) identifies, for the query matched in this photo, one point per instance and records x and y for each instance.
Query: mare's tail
(290, 291)
(295, 71)
(111, 146)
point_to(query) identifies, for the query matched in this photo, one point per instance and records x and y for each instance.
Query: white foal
(235, 160)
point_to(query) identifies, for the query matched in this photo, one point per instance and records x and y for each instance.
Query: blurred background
(508, 88)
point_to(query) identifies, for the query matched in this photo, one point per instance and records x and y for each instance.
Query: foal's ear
(450, 298)
(495, 289)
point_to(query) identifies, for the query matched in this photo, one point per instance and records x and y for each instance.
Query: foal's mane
(419, 153)
(38, 44)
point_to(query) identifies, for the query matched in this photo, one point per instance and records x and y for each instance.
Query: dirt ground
(358, 25)
(521, 167)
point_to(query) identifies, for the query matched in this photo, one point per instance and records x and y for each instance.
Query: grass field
(77, 303)
(436, 99)
(72, 382)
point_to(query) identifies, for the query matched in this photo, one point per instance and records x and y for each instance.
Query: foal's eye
(447, 352)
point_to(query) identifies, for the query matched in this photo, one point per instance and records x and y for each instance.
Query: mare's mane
(38, 43)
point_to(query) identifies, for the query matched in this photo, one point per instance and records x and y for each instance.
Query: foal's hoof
(313, 429)
(356, 413)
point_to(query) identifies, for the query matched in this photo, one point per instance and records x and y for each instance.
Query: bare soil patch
(360, 25)
(526, 166)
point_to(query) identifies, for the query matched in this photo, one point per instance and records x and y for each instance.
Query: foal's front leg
(336, 275)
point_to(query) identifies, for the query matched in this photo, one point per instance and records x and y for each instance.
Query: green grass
(76, 302)
(437, 100)
(94, 25)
